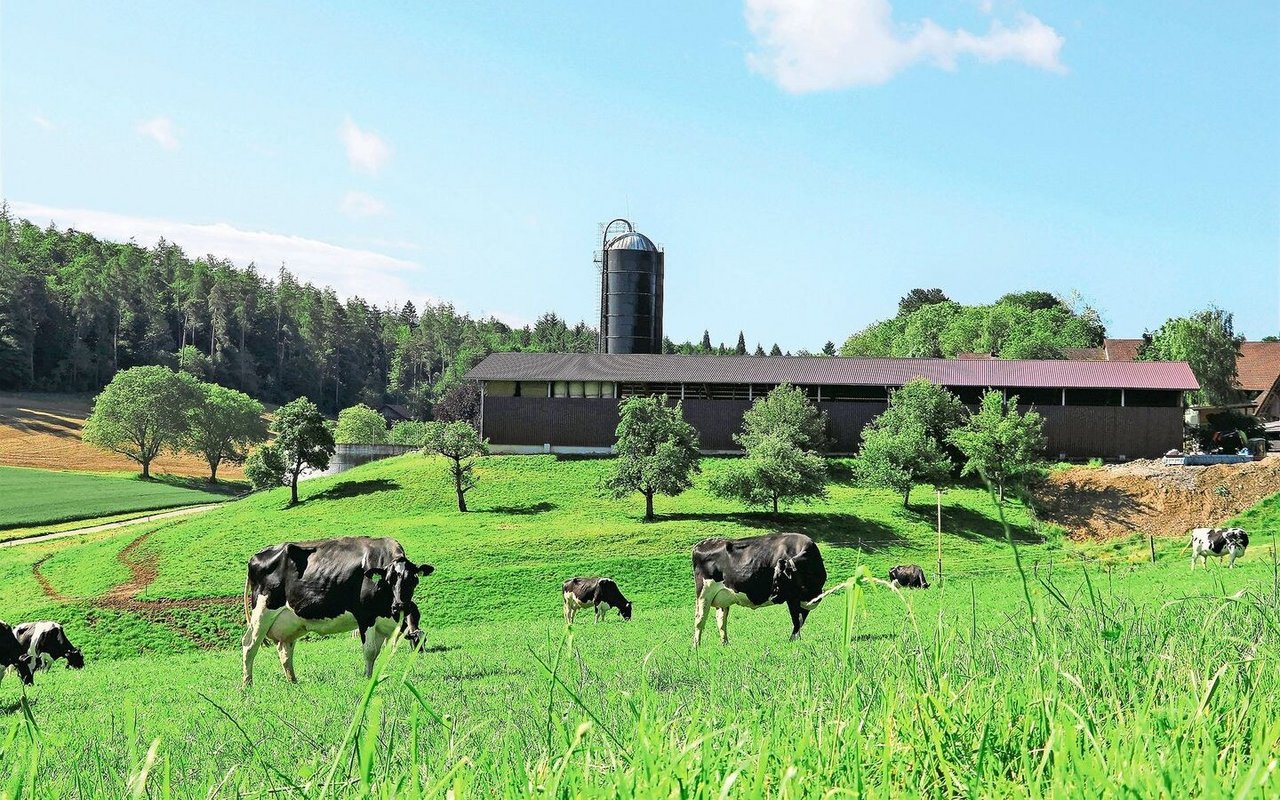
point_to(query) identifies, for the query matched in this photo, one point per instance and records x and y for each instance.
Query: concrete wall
(346, 456)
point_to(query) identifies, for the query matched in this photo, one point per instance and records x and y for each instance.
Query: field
(34, 497)
(1030, 673)
(43, 431)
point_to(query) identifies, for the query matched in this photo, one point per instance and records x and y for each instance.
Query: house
(568, 403)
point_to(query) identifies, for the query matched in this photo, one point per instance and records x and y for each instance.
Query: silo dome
(633, 240)
(631, 293)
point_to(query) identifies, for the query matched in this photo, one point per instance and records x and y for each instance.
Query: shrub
(360, 424)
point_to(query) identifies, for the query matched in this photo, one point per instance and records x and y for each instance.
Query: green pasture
(1098, 676)
(37, 497)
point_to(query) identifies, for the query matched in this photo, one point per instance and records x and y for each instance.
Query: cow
(12, 655)
(326, 587)
(600, 593)
(909, 576)
(754, 572)
(1218, 542)
(45, 642)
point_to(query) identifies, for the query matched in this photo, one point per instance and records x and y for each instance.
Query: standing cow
(12, 654)
(908, 576)
(45, 642)
(327, 587)
(1218, 542)
(754, 572)
(599, 593)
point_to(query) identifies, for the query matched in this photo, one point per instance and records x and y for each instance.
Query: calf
(1218, 542)
(11, 654)
(328, 587)
(46, 642)
(909, 576)
(754, 572)
(600, 593)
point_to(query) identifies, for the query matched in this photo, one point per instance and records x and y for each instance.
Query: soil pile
(1149, 497)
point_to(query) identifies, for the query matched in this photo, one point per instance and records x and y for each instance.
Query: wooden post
(1151, 540)
(937, 491)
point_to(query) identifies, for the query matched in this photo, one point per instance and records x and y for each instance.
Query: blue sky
(804, 163)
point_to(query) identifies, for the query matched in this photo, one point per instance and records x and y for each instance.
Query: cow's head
(625, 609)
(401, 578)
(24, 669)
(75, 659)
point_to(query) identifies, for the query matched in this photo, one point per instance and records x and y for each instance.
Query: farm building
(568, 403)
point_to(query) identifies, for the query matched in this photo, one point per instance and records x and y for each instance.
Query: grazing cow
(328, 587)
(600, 593)
(12, 655)
(46, 642)
(909, 576)
(754, 572)
(1218, 542)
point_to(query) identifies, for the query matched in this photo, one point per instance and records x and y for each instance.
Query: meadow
(30, 498)
(1042, 671)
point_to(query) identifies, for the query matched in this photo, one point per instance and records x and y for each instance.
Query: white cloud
(43, 122)
(376, 277)
(816, 45)
(162, 130)
(366, 151)
(359, 204)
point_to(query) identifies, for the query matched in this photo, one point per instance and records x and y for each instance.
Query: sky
(803, 163)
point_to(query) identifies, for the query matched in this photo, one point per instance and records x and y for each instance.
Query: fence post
(1151, 541)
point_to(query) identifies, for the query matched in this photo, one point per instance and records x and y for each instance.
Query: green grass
(1130, 679)
(31, 498)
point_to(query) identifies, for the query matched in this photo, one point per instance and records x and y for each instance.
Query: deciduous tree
(460, 443)
(657, 451)
(142, 412)
(999, 443)
(265, 467)
(360, 424)
(221, 425)
(304, 438)
(1207, 341)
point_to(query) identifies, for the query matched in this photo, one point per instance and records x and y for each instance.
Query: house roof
(1258, 366)
(1121, 349)
(832, 371)
(1085, 353)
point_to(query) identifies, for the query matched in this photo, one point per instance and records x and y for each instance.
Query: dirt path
(48, 537)
(124, 596)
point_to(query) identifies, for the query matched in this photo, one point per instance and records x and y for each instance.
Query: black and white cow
(12, 655)
(759, 571)
(46, 642)
(327, 587)
(909, 576)
(599, 593)
(1218, 542)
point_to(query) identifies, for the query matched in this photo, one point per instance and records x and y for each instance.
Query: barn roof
(832, 371)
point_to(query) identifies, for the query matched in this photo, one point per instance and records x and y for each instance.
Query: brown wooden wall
(1077, 431)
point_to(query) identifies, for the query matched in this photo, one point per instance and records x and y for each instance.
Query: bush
(360, 424)
(265, 467)
(410, 432)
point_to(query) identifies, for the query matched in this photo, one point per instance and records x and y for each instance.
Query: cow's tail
(248, 609)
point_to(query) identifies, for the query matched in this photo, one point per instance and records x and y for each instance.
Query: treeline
(1019, 325)
(75, 310)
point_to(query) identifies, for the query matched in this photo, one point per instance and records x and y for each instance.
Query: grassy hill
(35, 497)
(1130, 679)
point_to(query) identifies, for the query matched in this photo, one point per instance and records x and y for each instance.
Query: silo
(630, 293)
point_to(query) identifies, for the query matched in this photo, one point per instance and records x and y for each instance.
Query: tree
(1208, 343)
(898, 457)
(741, 348)
(999, 443)
(784, 413)
(459, 442)
(759, 350)
(304, 439)
(774, 471)
(1034, 299)
(140, 413)
(265, 467)
(782, 434)
(409, 432)
(657, 451)
(917, 299)
(705, 345)
(459, 404)
(775, 350)
(221, 424)
(360, 424)
(829, 349)
(905, 444)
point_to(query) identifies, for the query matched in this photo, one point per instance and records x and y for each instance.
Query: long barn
(568, 403)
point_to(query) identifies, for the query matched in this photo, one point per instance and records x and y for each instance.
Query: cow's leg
(286, 659)
(699, 618)
(722, 624)
(568, 610)
(601, 610)
(373, 641)
(798, 615)
(259, 624)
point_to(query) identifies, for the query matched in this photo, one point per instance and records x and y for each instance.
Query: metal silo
(630, 291)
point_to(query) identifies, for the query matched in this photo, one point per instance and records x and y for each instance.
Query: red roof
(1122, 349)
(1258, 366)
(833, 371)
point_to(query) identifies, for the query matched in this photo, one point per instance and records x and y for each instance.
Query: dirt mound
(1149, 497)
